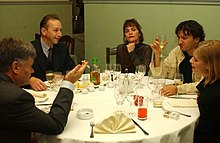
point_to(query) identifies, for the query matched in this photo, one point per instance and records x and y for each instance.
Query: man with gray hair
(19, 115)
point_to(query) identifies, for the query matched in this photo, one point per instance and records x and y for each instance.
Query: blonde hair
(209, 52)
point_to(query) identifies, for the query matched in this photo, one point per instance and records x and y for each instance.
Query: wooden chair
(69, 41)
(110, 52)
(37, 35)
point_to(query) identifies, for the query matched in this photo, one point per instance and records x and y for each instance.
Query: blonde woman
(206, 61)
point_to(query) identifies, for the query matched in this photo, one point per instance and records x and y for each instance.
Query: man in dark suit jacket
(59, 61)
(19, 115)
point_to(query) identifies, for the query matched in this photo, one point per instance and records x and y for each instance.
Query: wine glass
(140, 71)
(116, 70)
(109, 70)
(121, 90)
(131, 98)
(162, 41)
(151, 84)
(57, 80)
(178, 80)
(49, 77)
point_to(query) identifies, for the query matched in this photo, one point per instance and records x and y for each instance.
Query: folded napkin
(182, 102)
(118, 122)
(38, 95)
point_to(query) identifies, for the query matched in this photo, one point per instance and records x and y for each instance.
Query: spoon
(92, 124)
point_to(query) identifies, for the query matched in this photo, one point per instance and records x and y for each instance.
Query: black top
(141, 55)
(208, 129)
(186, 68)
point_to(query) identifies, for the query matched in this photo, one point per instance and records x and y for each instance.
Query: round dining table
(161, 129)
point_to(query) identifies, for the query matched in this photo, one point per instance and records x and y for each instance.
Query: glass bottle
(95, 72)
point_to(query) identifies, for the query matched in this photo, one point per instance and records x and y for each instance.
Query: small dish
(85, 114)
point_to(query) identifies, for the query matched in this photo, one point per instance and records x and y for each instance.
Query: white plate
(41, 99)
(85, 114)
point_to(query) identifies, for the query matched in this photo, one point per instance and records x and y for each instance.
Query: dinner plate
(41, 99)
(85, 113)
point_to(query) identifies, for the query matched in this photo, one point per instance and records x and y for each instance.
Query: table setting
(96, 117)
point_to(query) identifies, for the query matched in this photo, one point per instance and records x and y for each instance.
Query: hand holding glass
(162, 41)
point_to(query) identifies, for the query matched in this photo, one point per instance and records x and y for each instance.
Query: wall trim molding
(36, 2)
(170, 2)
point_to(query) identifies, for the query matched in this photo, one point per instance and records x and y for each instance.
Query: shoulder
(120, 47)
(177, 51)
(36, 43)
(14, 93)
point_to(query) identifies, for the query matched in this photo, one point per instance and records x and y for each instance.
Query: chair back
(110, 52)
(69, 41)
(36, 35)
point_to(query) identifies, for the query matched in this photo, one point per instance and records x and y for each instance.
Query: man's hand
(155, 46)
(37, 84)
(169, 90)
(76, 73)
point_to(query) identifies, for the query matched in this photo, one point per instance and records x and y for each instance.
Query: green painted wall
(103, 23)
(23, 20)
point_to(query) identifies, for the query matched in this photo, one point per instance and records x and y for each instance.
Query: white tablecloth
(160, 129)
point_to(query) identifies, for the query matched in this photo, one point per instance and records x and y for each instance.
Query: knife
(176, 97)
(145, 132)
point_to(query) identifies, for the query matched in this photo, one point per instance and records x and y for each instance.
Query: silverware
(145, 132)
(177, 97)
(43, 104)
(187, 115)
(92, 124)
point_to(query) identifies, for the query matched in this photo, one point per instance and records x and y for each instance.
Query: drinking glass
(57, 80)
(140, 71)
(49, 77)
(142, 107)
(151, 84)
(162, 41)
(161, 81)
(157, 98)
(178, 80)
(109, 70)
(116, 70)
(121, 90)
(131, 95)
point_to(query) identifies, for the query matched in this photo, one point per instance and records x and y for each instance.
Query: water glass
(157, 98)
(58, 79)
(142, 107)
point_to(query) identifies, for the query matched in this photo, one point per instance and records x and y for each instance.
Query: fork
(92, 124)
(187, 115)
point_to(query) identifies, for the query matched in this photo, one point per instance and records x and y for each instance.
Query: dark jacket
(19, 115)
(62, 61)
